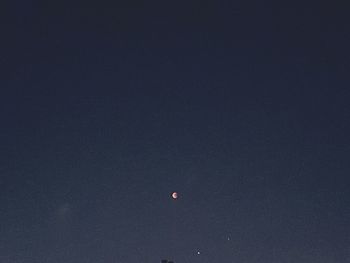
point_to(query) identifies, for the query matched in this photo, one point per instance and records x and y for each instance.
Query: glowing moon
(174, 195)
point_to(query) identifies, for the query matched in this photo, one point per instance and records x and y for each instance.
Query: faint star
(198, 252)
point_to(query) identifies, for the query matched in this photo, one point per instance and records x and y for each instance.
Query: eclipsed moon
(174, 195)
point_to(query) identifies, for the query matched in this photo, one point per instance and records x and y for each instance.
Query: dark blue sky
(108, 107)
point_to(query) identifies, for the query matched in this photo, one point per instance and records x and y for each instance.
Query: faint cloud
(63, 211)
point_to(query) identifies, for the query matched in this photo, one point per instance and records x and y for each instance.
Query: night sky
(107, 107)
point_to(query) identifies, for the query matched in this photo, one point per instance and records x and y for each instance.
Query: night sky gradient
(107, 107)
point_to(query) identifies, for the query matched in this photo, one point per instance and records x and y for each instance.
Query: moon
(174, 195)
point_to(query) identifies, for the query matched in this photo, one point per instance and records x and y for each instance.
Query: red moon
(174, 195)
